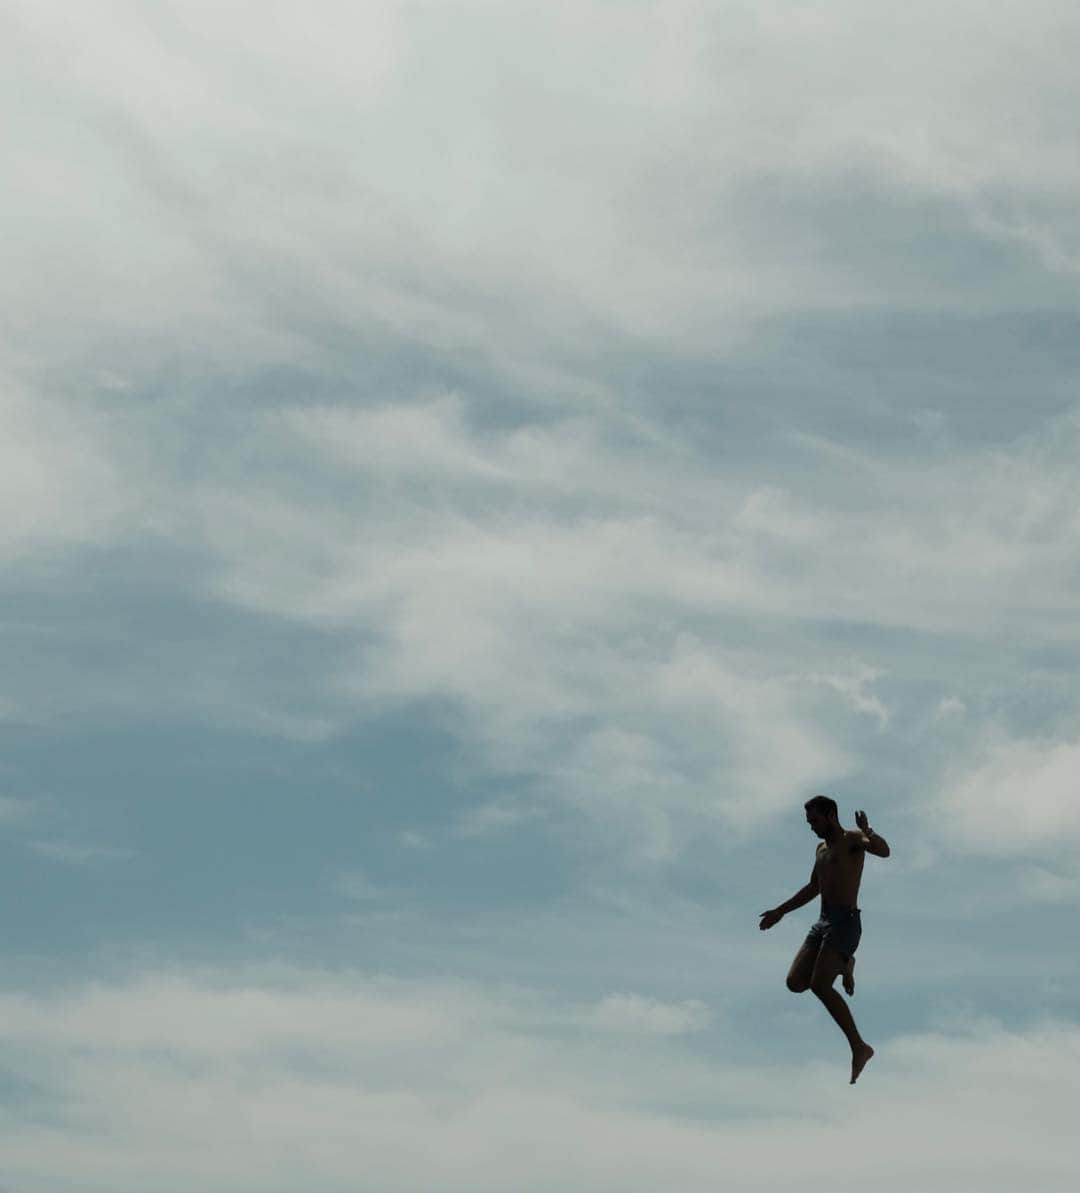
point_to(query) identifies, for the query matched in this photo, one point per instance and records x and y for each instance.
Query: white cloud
(496, 816)
(1017, 798)
(517, 188)
(1043, 885)
(669, 171)
(274, 1080)
(943, 547)
(853, 685)
(355, 884)
(60, 484)
(79, 853)
(633, 1013)
(556, 631)
(543, 579)
(14, 809)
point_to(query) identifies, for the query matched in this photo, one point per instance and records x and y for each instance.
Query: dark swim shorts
(839, 927)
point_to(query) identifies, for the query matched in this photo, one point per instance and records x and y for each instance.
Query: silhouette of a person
(829, 948)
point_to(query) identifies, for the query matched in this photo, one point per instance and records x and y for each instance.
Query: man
(829, 948)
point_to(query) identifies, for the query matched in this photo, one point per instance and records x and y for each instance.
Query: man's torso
(839, 868)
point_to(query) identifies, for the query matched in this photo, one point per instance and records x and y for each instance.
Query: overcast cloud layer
(469, 473)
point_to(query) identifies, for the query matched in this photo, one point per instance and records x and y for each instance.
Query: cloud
(390, 348)
(575, 590)
(513, 362)
(79, 854)
(253, 185)
(60, 487)
(631, 1013)
(1043, 885)
(495, 817)
(355, 884)
(557, 636)
(540, 507)
(853, 687)
(569, 587)
(13, 810)
(265, 1079)
(1019, 797)
(950, 706)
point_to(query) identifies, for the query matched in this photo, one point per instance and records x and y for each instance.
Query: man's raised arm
(872, 843)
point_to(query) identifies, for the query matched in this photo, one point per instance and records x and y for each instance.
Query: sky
(470, 471)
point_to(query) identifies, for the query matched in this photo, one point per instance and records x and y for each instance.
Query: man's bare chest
(837, 863)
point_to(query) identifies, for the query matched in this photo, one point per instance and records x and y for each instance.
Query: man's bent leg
(801, 972)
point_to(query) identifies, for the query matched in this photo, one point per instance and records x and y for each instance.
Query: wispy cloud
(272, 198)
(79, 853)
(1018, 797)
(632, 1013)
(13, 809)
(238, 1079)
(355, 885)
(496, 816)
(601, 425)
(561, 626)
(61, 484)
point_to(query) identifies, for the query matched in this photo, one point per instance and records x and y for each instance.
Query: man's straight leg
(829, 965)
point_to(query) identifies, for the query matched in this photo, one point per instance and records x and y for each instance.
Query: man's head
(821, 813)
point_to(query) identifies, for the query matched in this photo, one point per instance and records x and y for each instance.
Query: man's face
(817, 821)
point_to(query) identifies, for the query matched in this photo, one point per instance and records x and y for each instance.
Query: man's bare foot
(849, 977)
(858, 1061)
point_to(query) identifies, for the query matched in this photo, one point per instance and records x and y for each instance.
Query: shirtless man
(829, 948)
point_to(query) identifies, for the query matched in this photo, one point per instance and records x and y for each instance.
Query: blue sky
(470, 472)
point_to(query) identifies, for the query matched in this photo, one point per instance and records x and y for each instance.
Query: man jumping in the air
(829, 948)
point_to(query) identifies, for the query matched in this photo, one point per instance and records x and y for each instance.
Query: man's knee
(797, 985)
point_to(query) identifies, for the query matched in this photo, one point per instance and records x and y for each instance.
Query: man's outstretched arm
(808, 893)
(872, 843)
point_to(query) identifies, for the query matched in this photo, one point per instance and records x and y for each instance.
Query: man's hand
(769, 918)
(863, 822)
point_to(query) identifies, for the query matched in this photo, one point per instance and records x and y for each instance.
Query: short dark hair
(824, 805)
